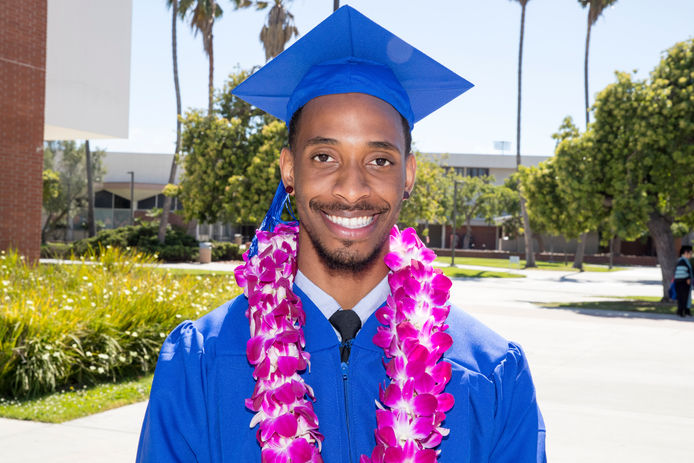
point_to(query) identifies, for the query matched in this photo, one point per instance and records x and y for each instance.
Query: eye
(322, 157)
(381, 162)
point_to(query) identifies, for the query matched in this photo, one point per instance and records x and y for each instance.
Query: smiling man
(343, 347)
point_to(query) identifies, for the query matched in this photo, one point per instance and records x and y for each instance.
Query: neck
(346, 287)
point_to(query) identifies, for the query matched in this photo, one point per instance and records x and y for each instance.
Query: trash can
(205, 256)
(238, 238)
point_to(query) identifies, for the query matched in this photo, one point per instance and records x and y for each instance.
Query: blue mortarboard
(348, 53)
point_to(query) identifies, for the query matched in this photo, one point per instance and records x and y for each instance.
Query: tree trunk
(164, 219)
(611, 253)
(336, 5)
(659, 228)
(529, 252)
(580, 251)
(585, 70)
(91, 225)
(210, 49)
(617, 246)
(540, 243)
(468, 235)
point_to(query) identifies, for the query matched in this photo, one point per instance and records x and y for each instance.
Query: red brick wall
(22, 89)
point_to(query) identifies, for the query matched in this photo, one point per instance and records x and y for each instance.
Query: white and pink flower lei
(413, 405)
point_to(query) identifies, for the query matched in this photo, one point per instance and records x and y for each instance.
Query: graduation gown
(196, 411)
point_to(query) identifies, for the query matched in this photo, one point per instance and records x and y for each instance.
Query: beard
(344, 260)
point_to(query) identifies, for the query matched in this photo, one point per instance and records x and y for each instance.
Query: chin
(347, 259)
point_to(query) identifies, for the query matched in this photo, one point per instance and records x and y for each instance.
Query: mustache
(337, 206)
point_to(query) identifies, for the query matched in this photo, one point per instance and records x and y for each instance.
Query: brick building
(64, 75)
(22, 83)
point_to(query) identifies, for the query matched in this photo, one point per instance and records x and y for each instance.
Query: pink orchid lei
(411, 408)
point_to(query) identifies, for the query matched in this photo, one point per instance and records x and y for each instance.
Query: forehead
(351, 116)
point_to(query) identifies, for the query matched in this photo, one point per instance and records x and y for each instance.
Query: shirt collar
(328, 305)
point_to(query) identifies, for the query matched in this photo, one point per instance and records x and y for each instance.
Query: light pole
(132, 197)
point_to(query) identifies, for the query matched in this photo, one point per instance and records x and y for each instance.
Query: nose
(352, 184)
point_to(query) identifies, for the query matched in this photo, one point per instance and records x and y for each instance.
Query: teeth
(351, 222)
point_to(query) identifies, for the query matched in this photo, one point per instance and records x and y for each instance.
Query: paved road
(612, 386)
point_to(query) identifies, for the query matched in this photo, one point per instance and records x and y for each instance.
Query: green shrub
(224, 250)
(178, 245)
(104, 319)
(56, 250)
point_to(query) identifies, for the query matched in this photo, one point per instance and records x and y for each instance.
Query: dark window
(459, 170)
(104, 199)
(477, 171)
(120, 202)
(179, 206)
(147, 203)
(160, 202)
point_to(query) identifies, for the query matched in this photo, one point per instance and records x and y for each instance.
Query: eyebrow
(321, 141)
(384, 145)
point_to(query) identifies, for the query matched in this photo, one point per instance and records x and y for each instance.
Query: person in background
(683, 281)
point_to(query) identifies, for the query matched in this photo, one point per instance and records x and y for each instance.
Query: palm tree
(164, 219)
(278, 30)
(595, 10)
(202, 14)
(529, 253)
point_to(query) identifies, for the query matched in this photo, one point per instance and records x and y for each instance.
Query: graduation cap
(348, 53)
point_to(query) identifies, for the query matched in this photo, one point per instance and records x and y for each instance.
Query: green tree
(231, 160)
(478, 197)
(644, 137)
(68, 194)
(529, 252)
(595, 10)
(430, 197)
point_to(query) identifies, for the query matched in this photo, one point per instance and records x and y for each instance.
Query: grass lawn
(643, 304)
(504, 263)
(71, 404)
(453, 272)
(192, 271)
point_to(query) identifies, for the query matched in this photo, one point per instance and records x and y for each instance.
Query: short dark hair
(294, 129)
(685, 248)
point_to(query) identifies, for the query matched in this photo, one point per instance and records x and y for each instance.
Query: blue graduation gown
(196, 411)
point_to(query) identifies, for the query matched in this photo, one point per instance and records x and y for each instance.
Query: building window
(104, 199)
(459, 171)
(147, 203)
(477, 172)
(120, 202)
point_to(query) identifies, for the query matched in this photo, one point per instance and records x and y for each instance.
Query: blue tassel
(273, 215)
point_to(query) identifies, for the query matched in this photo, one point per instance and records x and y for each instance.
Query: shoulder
(227, 323)
(475, 346)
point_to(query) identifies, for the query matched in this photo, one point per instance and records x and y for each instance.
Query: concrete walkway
(613, 386)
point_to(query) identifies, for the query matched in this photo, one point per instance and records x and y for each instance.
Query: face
(349, 172)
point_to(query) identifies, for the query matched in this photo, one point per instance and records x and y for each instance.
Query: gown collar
(320, 334)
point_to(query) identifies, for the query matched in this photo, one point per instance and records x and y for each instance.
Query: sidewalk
(613, 386)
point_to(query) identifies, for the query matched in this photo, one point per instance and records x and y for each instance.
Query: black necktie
(347, 323)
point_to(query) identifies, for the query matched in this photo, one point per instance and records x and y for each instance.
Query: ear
(287, 167)
(410, 172)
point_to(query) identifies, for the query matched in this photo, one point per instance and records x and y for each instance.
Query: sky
(477, 39)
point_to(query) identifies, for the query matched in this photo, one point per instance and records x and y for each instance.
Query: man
(303, 383)
(683, 281)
